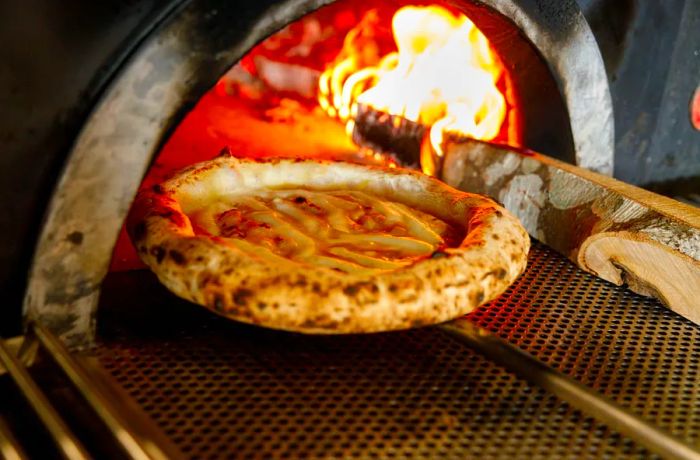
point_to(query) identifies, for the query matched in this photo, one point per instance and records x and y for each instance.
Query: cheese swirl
(348, 231)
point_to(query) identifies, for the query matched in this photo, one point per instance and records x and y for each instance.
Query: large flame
(443, 75)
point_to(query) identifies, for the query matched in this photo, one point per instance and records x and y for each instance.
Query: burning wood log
(616, 231)
(390, 135)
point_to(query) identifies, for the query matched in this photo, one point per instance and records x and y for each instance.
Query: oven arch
(168, 73)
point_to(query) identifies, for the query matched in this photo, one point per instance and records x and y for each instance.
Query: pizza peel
(618, 232)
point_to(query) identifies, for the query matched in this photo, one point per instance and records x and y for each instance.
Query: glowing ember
(443, 75)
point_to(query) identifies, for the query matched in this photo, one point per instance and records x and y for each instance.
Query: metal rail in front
(579, 396)
(134, 439)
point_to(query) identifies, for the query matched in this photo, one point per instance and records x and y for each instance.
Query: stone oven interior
(268, 103)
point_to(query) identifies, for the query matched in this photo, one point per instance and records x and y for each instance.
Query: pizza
(325, 247)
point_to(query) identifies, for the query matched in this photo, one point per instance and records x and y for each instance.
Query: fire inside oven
(369, 82)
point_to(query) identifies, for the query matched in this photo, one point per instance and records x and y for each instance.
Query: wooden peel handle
(616, 231)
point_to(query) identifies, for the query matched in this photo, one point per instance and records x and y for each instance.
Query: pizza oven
(574, 360)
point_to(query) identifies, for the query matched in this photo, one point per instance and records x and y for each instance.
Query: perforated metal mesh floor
(224, 390)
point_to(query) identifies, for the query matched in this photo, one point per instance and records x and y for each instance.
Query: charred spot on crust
(218, 303)
(139, 231)
(75, 237)
(319, 321)
(226, 152)
(316, 287)
(393, 288)
(158, 252)
(300, 199)
(241, 296)
(499, 274)
(498, 213)
(176, 218)
(301, 281)
(262, 305)
(496, 237)
(177, 257)
(158, 189)
(354, 289)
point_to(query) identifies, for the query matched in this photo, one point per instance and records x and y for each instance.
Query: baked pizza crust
(209, 271)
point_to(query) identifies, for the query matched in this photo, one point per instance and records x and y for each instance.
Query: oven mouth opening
(376, 83)
(154, 114)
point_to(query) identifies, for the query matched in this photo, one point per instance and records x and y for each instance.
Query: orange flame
(443, 75)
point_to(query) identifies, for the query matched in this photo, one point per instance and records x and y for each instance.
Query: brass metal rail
(135, 438)
(10, 449)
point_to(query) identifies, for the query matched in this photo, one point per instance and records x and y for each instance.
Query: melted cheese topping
(348, 231)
